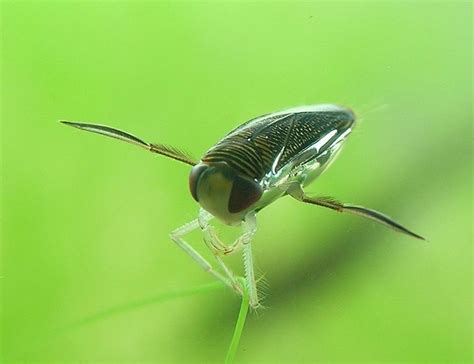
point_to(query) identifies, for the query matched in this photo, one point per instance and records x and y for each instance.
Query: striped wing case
(267, 143)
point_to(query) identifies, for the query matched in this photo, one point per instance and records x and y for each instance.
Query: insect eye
(244, 193)
(196, 173)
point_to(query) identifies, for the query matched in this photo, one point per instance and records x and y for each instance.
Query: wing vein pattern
(268, 143)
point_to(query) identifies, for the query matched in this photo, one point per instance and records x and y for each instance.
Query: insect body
(263, 159)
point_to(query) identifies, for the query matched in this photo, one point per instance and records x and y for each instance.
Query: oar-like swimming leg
(297, 192)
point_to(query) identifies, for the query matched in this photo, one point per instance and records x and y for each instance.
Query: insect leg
(297, 192)
(214, 244)
(250, 228)
(177, 237)
(218, 246)
(211, 238)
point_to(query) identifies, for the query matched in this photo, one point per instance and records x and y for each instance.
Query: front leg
(249, 227)
(217, 247)
(177, 236)
(212, 239)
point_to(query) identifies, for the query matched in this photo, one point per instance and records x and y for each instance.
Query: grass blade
(239, 326)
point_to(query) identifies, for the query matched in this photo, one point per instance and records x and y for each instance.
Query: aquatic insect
(258, 162)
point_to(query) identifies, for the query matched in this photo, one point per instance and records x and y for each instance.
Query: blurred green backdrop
(85, 220)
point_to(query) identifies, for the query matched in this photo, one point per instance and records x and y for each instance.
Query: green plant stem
(239, 326)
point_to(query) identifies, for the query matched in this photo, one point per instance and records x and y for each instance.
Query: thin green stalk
(239, 326)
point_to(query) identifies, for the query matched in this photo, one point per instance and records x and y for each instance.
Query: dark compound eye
(244, 193)
(196, 172)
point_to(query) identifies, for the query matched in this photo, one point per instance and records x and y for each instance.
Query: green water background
(85, 220)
